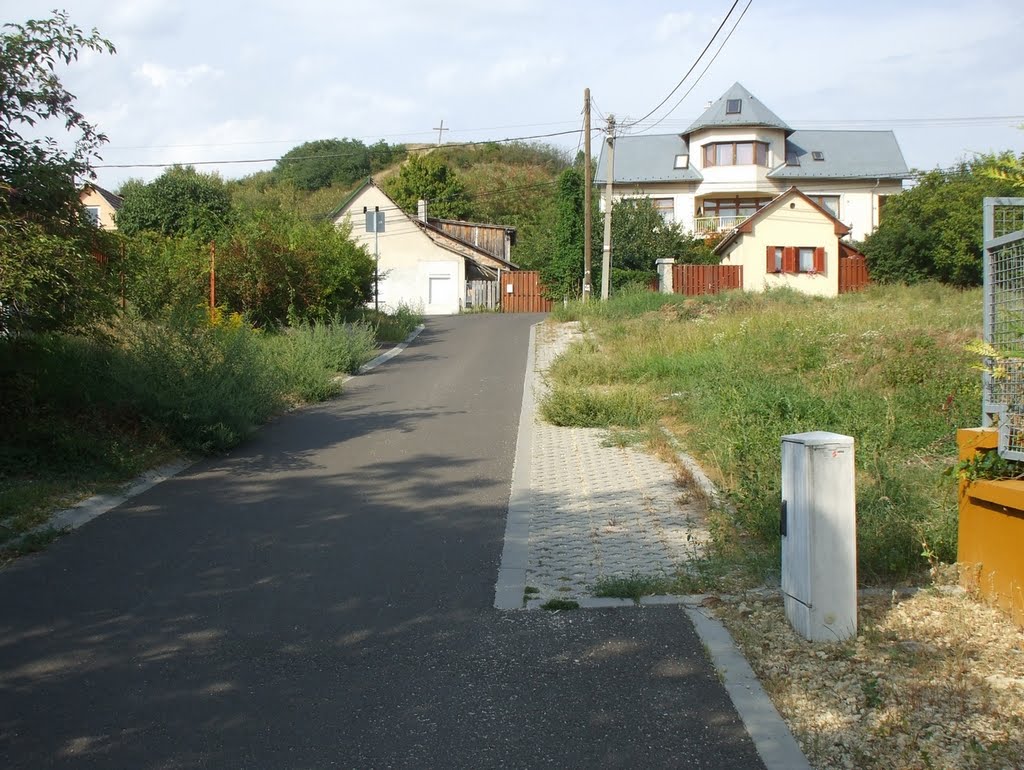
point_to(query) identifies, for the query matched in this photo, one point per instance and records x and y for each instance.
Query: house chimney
(421, 210)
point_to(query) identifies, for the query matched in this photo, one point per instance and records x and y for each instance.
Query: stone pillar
(664, 267)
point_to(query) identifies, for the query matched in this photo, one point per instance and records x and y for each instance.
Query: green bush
(207, 385)
(310, 356)
(933, 230)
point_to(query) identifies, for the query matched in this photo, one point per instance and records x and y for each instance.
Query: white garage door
(442, 290)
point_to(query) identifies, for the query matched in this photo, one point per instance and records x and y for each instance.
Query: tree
(1006, 167)
(324, 163)
(37, 176)
(562, 272)
(383, 154)
(429, 178)
(49, 276)
(181, 201)
(934, 230)
(641, 236)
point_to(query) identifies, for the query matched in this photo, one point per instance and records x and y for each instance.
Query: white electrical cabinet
(819, 535)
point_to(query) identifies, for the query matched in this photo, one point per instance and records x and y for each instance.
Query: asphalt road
(322, 597)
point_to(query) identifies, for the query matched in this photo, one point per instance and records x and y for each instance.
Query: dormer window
(818, 155)
(733, 106)
(736, 154)
(682, 161)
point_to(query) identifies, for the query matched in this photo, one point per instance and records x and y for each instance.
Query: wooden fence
(483, 294)
(693, 280)
(853, 274)
(521, 292)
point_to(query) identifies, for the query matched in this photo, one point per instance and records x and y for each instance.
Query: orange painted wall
(991, 539)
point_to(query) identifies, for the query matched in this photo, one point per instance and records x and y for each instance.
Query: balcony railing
(722, 224)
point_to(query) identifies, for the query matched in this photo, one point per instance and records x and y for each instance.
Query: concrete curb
(82, 513)
(389, 354)
(772, 739)
(509, 590)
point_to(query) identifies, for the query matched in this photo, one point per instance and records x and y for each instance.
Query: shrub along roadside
(84, 413)
(732, 374)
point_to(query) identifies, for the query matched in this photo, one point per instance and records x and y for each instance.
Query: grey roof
(845, 155)
(115, 201)
(752, 112)
(647, 159)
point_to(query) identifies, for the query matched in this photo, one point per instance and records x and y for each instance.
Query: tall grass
(81, 412)
(734, 373)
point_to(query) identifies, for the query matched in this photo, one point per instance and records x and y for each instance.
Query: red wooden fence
(853, 274)
(521, 292)
(693, 280)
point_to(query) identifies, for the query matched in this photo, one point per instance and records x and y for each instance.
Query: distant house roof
(747, 225)
(842, 155)
(647, 159)
(115, 201)
(737, 107)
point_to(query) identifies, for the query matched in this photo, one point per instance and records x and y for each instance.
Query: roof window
(733, 106)
(682, 161)
(792, 159)
(818, 155)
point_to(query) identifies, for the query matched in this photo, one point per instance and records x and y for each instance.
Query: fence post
(664, 267)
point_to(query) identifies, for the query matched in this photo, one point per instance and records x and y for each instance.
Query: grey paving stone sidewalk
(598, 510)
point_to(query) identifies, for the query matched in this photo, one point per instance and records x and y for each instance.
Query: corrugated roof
(647, 159)
(751, 112)
(844, 155)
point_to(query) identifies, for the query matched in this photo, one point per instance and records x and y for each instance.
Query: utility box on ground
(819, 535)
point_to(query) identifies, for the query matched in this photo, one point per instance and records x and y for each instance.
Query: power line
(364, 137)
(332, 155)
(692, 68)
(704, 71)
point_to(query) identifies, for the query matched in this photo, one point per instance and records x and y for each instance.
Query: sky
(222, 80)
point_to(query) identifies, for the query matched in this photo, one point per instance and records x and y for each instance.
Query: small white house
(423, 264)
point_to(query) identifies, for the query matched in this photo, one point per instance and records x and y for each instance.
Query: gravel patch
(933, 680)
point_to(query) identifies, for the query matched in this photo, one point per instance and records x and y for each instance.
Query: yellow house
(101, 206)
(792, 242)
(423, 263)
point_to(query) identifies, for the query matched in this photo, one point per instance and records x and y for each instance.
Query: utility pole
(606, 257)
(587, 184)
(439, 130)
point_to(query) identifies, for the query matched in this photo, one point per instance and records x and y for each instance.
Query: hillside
(508, 184)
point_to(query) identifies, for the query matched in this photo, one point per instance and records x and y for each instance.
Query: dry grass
(935, 680)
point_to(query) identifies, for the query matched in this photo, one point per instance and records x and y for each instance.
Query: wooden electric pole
(606, 255)
(587, 184)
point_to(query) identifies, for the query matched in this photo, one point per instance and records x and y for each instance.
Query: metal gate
(1003, 379)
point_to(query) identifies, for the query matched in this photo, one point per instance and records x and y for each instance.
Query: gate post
(664, 267)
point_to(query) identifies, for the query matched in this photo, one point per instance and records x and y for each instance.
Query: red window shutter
(770, 264)
(789, 259)
(819, 259)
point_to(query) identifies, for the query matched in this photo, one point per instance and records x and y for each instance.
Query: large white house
(739, 155)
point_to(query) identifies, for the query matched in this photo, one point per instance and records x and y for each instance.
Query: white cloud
(521, 68)
(162, 77)
(672, 25)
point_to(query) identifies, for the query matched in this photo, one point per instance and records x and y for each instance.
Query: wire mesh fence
(1004, 322)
